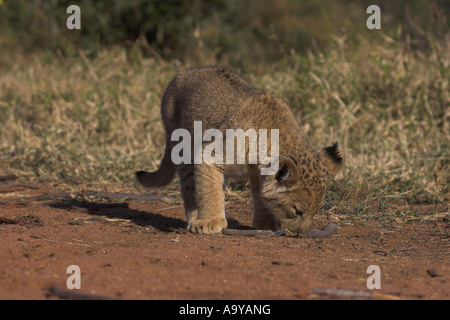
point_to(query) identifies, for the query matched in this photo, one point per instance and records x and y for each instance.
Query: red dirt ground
(140, 250)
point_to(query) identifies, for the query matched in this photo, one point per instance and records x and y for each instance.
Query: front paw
(204, 226)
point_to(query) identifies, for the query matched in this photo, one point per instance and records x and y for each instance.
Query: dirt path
(140, 250)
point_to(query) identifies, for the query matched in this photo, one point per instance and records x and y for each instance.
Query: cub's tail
(160, 177)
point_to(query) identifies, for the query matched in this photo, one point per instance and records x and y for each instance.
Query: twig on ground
(125, 196)
(63, 294)
(252, 233)
(4, 220)
(325, 232)
(353, 294)
(384, 253)
(342, 293)
(8, 177)
(17, 186)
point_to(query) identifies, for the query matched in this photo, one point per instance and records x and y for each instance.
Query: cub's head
(297, 191)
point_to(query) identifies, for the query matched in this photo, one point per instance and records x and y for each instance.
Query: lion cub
(221, 99)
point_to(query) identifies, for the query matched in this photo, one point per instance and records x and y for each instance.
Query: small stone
(433, 272)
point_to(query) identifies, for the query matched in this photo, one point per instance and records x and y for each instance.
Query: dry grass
(93, 121)
(80, 120)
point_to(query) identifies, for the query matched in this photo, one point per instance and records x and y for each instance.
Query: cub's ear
(334, 157)
(287, 175)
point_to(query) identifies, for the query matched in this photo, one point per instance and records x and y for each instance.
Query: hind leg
(187, 185)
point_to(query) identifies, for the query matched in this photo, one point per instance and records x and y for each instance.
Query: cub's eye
(298, 212)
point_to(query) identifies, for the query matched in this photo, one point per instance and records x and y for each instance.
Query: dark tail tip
(140, 176)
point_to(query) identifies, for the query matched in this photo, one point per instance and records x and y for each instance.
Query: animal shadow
(122, 211)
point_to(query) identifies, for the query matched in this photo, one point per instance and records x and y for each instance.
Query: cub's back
(217, 79)
(208, 94)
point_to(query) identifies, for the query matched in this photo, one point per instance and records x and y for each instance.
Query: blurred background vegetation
(81, 107)
(242, 34)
